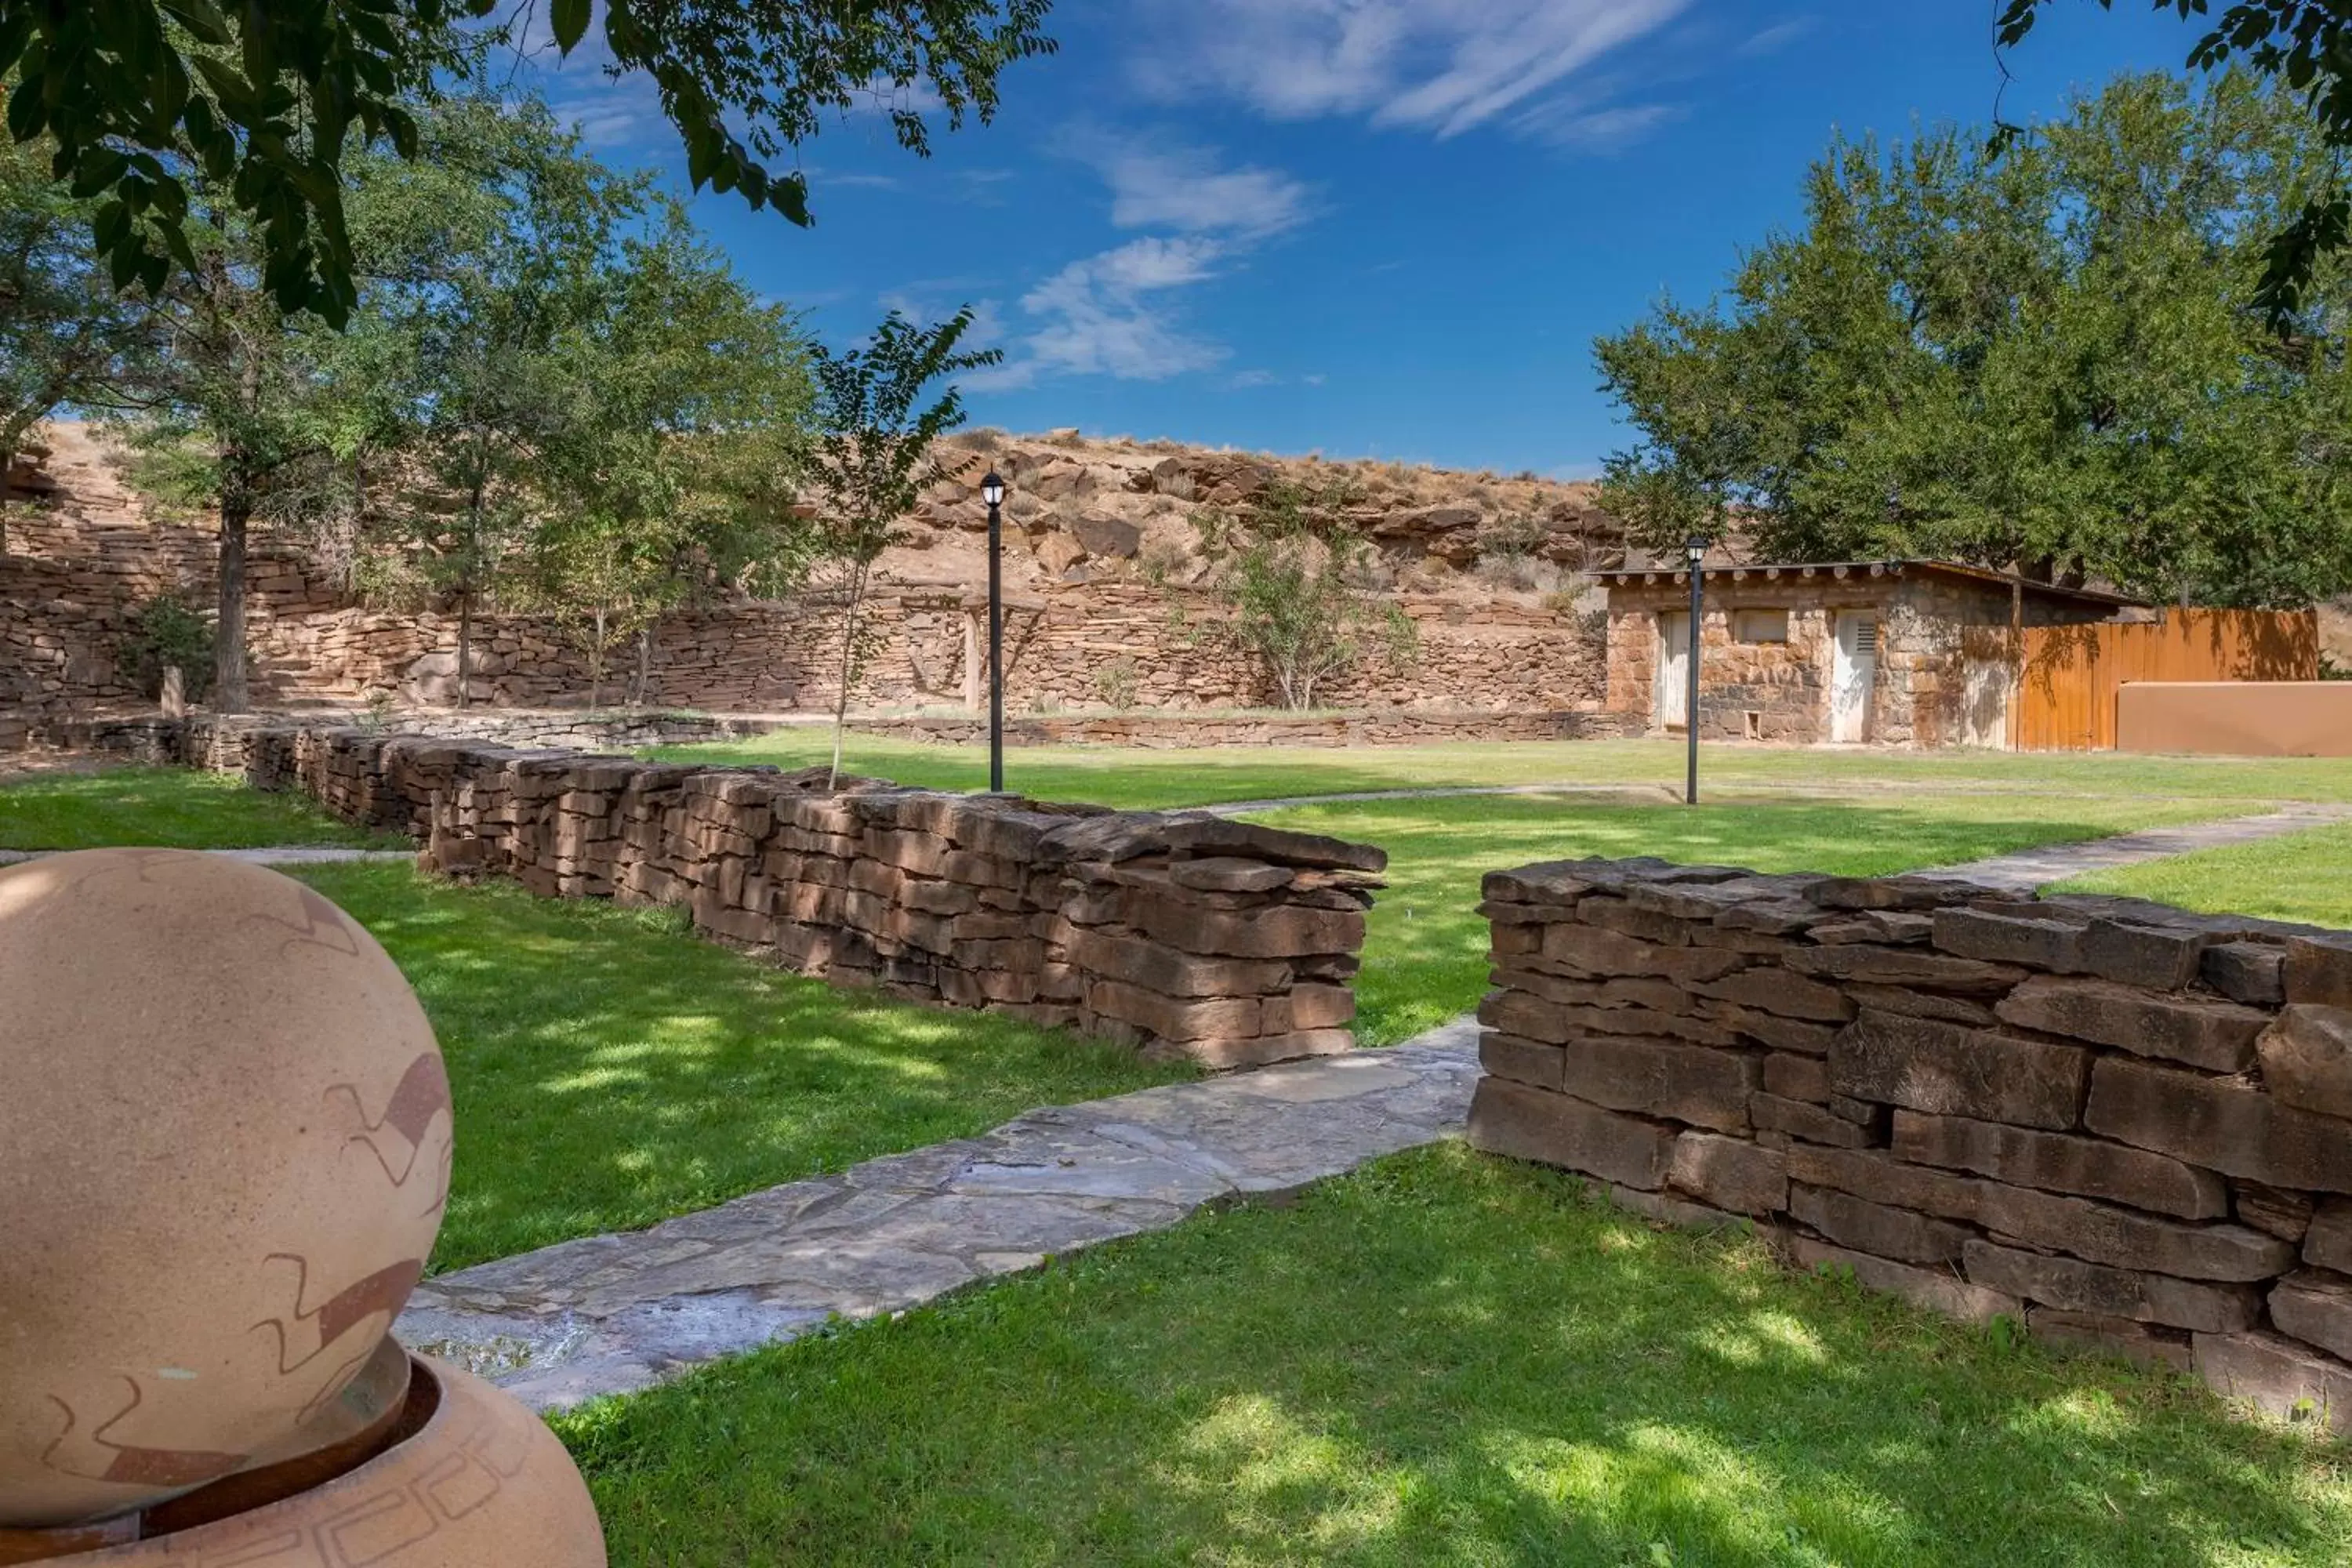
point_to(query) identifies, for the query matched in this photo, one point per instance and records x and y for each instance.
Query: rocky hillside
(1086, 510)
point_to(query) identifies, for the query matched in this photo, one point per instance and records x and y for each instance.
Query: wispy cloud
(1445, 65)
(1597, 129)
(1115, 313)
(1242, 381)
(1183, 189)
(1776, 37)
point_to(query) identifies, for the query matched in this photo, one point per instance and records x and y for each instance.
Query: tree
(676, 471)
(874, 456)
(263, 99)
(1292, 607)
(2054, 359)
(66, 338)
(2308, 46)
(515, 235)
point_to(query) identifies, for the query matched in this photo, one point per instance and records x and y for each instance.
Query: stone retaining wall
(2112, 1121)
(1160, 731)
(1180, 933)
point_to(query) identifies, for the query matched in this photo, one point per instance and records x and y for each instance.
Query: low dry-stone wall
(1183, 934)
(2112, 1121)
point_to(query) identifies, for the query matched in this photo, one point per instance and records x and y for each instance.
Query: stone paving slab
(610, 1314)
(267, 855)
(2029, 870)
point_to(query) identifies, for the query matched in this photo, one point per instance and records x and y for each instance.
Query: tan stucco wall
(2236, 718)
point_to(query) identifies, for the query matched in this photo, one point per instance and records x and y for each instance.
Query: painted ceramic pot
(476, 1481)
(225, 1135)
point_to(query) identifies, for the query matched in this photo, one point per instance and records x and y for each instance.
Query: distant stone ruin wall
(1182, 934)
(2111, 1121)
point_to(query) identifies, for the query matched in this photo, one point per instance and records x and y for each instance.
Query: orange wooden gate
(2068, 701)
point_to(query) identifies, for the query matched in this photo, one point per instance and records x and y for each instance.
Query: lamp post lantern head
(1694, 549)
(992, 489)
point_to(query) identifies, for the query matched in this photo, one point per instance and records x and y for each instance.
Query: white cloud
(1117, 312)
(1101, 316)
(1243, 381)
(1596, 129)
(1182, 189)
(1446, 66)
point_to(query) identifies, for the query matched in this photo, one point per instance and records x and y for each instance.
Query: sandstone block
(2250, 972)
(2328, 1243)
(2122, 1337)
(1314, 1007)
(2218, 1036)
(1728, 1173)
(2307, 1058)
(1875, 1175)
(1794, 1077)
(2220, 1125)
(2315, 1307)
(2036, 941)
(1607, 953)
(1527, 1124)
(1780, 994)
(2279, 1376)
(1948, 1070)
(1906, 966)
(1282, 931)
(1226, 874)
(1780, 1034)
(2318, 970)
(1813, 1124)
(1535, 1063)
(1889, 926)
(1174, 1018)
(2273, 1211)
(1875, 1228)
(1227, 1054)
(1644, 925)
(2075, 1286)
(2061, 1162)
(2160, 958)
(2122, 1239)
(1660, 1077)
(1937, 1290)
(1157, 967)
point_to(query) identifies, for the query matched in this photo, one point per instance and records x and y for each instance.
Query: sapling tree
(874, 456)
(1294, 607)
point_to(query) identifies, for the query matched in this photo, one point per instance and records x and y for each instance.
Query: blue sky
(1364, 227)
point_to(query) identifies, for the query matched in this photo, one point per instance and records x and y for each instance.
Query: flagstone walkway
(609, 1314)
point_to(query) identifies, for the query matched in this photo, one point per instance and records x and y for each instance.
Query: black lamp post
(1694, 552)
(991, 490)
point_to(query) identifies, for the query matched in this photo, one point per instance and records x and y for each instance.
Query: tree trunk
(465, 647)
(8, 461)
(597, 662)
(645, 661)
(230, 694)
(848, 667)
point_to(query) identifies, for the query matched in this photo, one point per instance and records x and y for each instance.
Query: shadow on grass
(610, 1070)
(170, 807)
(1426, 950)
(1442, 1359)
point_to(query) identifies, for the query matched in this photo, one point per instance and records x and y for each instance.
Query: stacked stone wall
(1180, 933)
(2111, 1121)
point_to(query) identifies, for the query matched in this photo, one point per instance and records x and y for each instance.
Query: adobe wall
(2111, 1121)
(1180, 933)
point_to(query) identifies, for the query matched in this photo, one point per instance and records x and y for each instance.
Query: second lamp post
(1694, 552)
(991, 490)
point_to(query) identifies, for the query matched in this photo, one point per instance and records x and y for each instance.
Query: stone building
(1922, 653)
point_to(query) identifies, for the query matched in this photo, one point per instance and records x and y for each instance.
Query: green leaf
(570, 20)
(200, 18)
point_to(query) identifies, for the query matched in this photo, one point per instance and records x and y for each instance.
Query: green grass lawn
(1134, 777)
(1442, 1359)
(1425, 949)
(2302, 877)
(610, 1070)
(172, 807)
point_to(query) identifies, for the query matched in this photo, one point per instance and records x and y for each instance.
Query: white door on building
(1674, 670)
(1856, 671)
